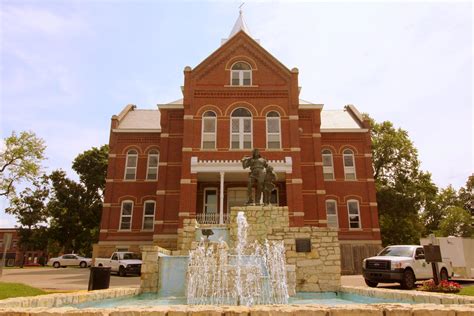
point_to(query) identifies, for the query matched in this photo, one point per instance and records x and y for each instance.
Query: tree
(75, 207)
(403, 190)
(20, 159)
(29, 207)
(91, 166)
(436, 209)
(457, 222)
(466, 193)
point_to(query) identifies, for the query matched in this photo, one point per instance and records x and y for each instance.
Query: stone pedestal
(318, 269)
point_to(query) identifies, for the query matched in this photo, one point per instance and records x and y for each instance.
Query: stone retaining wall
(60, 299)
(409, 296)
(150, 268)
(316, 270)
(264, 310)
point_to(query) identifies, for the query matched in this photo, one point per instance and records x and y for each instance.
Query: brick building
(182, 160)
(13, 254)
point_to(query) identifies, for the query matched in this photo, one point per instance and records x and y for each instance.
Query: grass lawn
(8, 290)
(468, 290)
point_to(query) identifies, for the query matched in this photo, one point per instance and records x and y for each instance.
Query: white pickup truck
(121, 262)
(403, 264)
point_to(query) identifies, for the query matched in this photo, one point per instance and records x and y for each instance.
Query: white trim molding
(136, 130)
(297, 181)
(160, 192)
(298, 214)
(235, 166)
(293, 117)
(344, 130)
(320, 192)
(373, 204)
(183, 214)
(106, 204)
(185, 181)
(295, 149)
(316, 135)
(187, 149)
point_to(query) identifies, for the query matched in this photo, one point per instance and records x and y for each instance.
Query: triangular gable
(224, 51)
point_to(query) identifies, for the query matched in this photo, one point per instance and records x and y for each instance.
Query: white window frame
(122, 216)
(241, 132)
(152, 216)
(332, 215)
(151, 153)
(241, 75)
(134, 168)
(273, 118)
(328, 169)
(204, 199)
(359, 222)
(214, 134)
(349, 169)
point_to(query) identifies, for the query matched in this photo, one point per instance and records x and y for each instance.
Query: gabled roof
(339, 121)
(138, 121)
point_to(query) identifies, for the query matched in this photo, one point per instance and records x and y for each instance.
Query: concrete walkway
(65, 279)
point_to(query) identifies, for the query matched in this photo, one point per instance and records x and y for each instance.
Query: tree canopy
(20, 160)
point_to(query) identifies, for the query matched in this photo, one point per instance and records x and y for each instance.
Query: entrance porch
(222, 184)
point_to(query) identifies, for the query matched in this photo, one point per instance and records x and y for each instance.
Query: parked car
(122, 263)
(404, 264)
(70, 260)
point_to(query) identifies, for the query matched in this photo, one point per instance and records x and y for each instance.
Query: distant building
(182, 160)
(14, 255)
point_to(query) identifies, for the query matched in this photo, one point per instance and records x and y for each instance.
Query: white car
(70, 260)
(404, 264)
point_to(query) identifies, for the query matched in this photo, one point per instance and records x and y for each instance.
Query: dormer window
(241, 74)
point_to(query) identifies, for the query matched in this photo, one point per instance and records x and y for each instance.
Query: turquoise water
(324, 298)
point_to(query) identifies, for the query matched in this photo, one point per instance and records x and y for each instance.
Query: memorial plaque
(303, 245)
(432, 253)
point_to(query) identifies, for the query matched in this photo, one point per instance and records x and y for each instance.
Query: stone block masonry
(317, 268)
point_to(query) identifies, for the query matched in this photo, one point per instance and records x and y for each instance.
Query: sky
(67, 66)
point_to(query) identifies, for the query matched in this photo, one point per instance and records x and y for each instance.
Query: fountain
(248, 275)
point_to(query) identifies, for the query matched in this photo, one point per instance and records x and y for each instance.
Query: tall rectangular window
(354, 213)
(331, 213)
(152, 167)
(131, 165)
(148, 215)
(209, 130)
(241, 129)
(328, 167)
(273, 130)
(349, 165)
(126, 215)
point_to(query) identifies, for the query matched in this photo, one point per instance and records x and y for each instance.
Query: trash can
(99, 278)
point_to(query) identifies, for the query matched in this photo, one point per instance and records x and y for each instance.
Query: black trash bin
(99, 278)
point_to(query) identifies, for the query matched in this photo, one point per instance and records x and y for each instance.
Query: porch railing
(210, 218)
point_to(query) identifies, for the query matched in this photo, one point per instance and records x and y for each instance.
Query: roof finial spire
(239, 24)
(240, 8)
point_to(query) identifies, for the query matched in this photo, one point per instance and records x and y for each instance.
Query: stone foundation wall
(319, 269)
(150, 270)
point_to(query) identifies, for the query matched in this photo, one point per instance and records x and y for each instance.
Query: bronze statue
(268, 184)
(257, 165)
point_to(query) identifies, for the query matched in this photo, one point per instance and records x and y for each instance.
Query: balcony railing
(210, 218)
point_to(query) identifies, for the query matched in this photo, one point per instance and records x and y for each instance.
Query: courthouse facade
(182, 160)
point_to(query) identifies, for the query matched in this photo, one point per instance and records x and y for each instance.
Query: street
(61, 279)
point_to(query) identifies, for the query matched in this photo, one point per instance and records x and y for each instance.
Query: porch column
(221, 200)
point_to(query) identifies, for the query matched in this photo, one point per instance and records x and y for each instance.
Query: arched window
(209, 130)
(273, 130)
(152, 165)
(131, 165)
(148, 215)
(353, 214)
(331, 213)
(328, 166)
(241, 129)
(241, 74)
(349, 165)
(126, 215)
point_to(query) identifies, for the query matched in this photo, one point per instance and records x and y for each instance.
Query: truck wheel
(408, 281)
(122, 271)
(83, 264)
(371, 283)
(56, 265)
(443, 275)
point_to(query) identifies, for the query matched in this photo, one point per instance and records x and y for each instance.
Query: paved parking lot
(62, 278)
